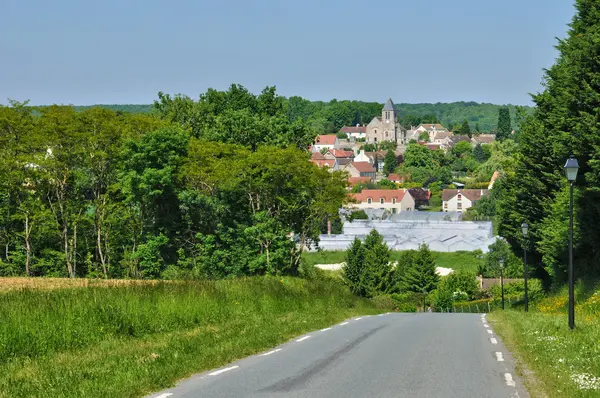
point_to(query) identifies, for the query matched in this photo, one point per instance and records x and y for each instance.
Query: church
(386, 127)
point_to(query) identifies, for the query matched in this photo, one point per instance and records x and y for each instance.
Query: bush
(384, 301)
(517, 289)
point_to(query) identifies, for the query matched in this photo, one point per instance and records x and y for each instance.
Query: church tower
(388, 121)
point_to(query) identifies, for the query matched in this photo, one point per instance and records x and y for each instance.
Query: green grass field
(130, 340)
(455, 260)
(554, 360)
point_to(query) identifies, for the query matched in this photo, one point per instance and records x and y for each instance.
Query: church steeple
(388, 113)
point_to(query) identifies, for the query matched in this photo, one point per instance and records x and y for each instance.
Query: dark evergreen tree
(354, 267)
(565, 122)
(478, 153)
(377, 275)
(504, 126)
(389, 163)
(465, 129)
(421, 275)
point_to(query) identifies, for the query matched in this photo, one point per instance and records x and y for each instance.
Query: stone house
(354, 132)
(393, 200)
(361, 169)
(461, 199)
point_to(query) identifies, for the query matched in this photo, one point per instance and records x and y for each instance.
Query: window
(445, 205)
(459, 205)
(394, 201)
(386, 134)
(382, 200)
(459, 196)
(369, 200)
(394, 210)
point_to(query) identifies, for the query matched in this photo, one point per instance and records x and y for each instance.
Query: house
(358, 180)
(338, 154)
(362, 157)
(361, 169)
(421, 196)
(386, 127)
(354, 132)
(455, 139)
(341, 163)
(483, 139)
(329, 141)
(441, 137)
(431, 129)
(397, 178)
(377, 159)
(393, 200)
(461, 199)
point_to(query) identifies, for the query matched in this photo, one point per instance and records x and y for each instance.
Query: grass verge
(124, 341)
(564, 362)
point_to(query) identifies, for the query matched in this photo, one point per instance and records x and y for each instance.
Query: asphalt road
(388, 355)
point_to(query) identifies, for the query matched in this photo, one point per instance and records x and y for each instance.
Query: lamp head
(501, 261)
(525, 228)
(571, 168)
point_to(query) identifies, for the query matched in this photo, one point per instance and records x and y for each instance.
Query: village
(344, 152)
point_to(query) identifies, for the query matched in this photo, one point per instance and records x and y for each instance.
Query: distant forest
(330, 116)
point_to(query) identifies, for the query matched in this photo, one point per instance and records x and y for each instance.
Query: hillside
(484, 115)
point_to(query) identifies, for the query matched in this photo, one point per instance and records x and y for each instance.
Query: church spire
(389, 105)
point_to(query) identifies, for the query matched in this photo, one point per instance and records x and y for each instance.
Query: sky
(126, 51)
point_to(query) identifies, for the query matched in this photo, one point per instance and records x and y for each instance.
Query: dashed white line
(358, 319)
(270, 352)
(381, 314)
(344, 323)
(165, 395)
(303, 338)
(326, 329)
(493, 341)
(509, 380)
(485, 325)
(218, 372)
(489, 331)
(499, 357)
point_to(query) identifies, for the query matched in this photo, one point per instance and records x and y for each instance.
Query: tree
(377, 275)
(389, 163)
(421, 275)
(424, 136)
(465, 129)
(354, 267)
(461, 149)
(478, 153)
(504, 126)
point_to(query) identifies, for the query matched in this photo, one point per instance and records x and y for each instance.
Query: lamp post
(424, 295)
(571, 168)
(525, 229)
(501, 261)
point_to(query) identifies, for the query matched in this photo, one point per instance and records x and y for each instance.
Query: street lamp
(525, 229)
(501, 261)
(571, 168)
(424, 295)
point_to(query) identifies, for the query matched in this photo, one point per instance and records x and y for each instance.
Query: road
(387, 355)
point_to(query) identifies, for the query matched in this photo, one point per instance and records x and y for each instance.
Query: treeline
(214, 188)
(329, 117)
(534, 188)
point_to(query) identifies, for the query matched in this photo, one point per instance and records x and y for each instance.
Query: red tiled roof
(471, 194)
(433, 147)
(340, 153)
(353, 129)
(429, 126)
(324, 162)
(328, 139)
(377, 194)
(395, 177)
(358, 180)
(317, 156)
(363, 167)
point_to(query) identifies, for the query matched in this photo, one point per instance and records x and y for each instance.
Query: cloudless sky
(123, 52)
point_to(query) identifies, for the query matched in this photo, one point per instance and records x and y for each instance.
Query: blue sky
(84, 52)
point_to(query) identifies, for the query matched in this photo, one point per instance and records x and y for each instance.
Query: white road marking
(489, 331)
(218, 372)
(165, 395)
(303, 338)
(485, 325)
(342, 324)
(326, 329)
(493, 340)
(499, 357)
(509, 380)
(270, 352)
(358, 319)
(381, 314)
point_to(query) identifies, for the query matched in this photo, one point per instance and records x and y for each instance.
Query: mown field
(554, 360)
(461, 260)
(62, 338)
